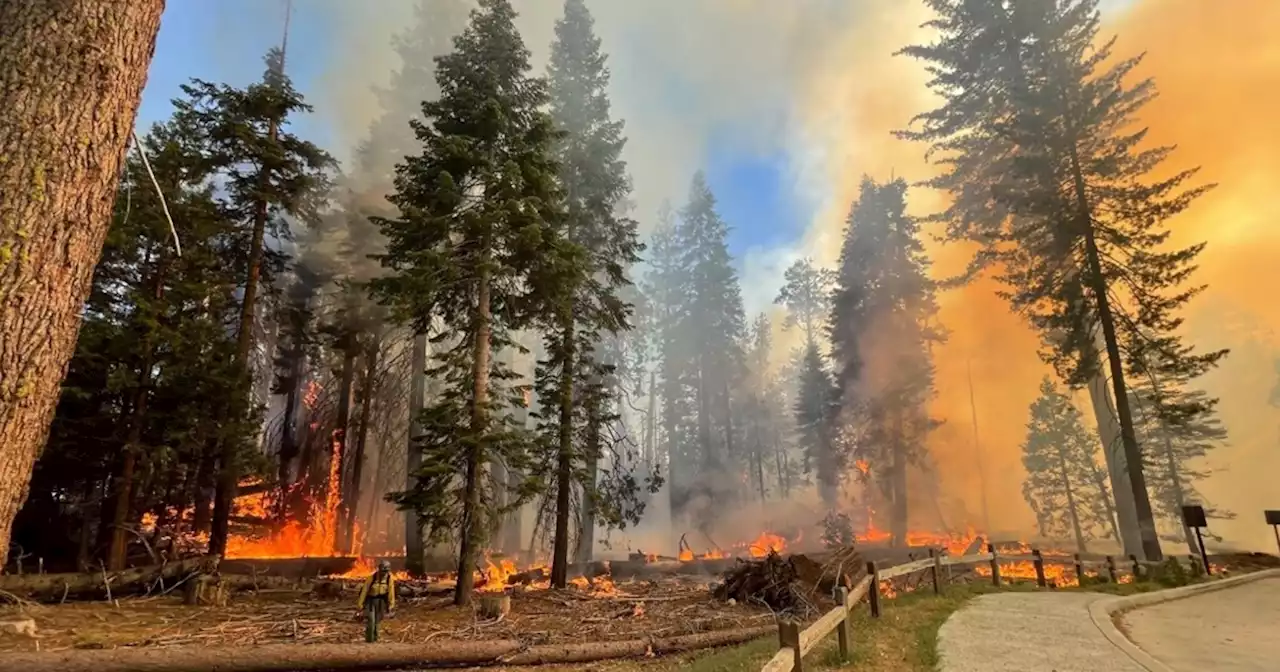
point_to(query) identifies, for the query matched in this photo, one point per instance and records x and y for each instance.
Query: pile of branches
(772, 582)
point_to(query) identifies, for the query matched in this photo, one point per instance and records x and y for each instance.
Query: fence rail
(795, 643)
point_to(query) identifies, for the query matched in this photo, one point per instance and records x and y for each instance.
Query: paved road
(1232, 630)
(1029, 632)
(1235, 629)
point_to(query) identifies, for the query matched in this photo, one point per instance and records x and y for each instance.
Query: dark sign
(1193, 516)
(1273, 517)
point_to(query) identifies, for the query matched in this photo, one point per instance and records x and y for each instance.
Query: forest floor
(903, 640)
(632, 610)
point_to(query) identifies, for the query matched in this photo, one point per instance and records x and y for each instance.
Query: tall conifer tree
(589, 307)
(476, 237)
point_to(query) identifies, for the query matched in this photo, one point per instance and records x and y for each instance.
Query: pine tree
(882, 329)
(1048, 174)
(807, 297)
(1062, 487)
(390, 139)
(666, 287)
(762, 385)
(1177, 425)
(479, 211)
(814, 411)
(713, 322)
(595, 183)
(269, 174)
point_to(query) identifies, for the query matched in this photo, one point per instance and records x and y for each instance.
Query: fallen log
(353, 657)
(91, 585)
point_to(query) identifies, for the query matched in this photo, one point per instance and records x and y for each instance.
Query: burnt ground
(665, 608)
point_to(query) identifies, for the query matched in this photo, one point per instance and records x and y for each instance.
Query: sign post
(1193, 517)
(1273, 519)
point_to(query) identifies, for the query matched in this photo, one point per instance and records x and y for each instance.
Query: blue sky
(225, 40)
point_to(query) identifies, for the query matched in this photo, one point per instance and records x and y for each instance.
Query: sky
(225, 40)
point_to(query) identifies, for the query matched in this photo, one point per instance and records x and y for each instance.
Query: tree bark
(564, 459)
(415, 553)
(341, 439)
(69, 91)
(898, 517)
(362, 439)
(473, 527)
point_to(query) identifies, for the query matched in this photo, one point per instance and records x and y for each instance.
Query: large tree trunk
(69, 89)
(341, 439)
(1098, 285)
(415, 553)
(362, 439)
(898, 515)
(1117, 469)
(473, 528)
(564, 458)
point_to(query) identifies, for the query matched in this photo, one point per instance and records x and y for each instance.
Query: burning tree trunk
(415, 552)
(340, 433)
(69, 90)
(357, 460)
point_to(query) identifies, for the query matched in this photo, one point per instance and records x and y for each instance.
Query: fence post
(995, 565)
(1111, 569)
(1079, 569)
(1038, 560)
(873, 594)
(845, 629)
(936, 570)
(789, 636)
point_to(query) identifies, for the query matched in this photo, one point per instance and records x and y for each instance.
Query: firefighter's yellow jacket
(378, 587)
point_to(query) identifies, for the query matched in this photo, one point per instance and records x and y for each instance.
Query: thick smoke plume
(815, 81)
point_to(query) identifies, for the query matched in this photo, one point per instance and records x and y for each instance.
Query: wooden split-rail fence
(795, 643)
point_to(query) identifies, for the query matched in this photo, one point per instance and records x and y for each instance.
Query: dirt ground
(635, 610)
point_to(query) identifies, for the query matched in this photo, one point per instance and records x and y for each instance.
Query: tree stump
(493, 607)
(205, 591)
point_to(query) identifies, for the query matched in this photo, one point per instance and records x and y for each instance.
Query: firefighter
(377, 598)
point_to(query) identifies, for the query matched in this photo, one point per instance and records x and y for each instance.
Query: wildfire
(863, 466)
(765, 544)
(364, 567)
(294, 540)
(493, 578)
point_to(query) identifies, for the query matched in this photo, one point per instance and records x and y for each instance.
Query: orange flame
(765, 544)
